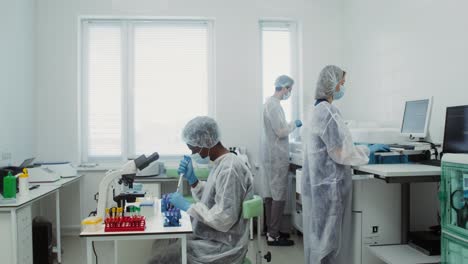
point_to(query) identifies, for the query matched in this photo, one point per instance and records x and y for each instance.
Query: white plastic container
(91, 224)
(148, 208)
(23, 179)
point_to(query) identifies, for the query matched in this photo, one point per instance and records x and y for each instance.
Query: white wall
(17, 79)
(238, 75)
(394, 50)
(405, 49)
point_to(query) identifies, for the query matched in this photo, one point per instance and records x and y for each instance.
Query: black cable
(94, 250)
(434, 147)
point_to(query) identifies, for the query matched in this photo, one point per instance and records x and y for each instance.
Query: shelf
(401, 254)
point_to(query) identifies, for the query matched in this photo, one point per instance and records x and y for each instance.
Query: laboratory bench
(403, 174)
(377, 190)
(16, 221)
(154, 230)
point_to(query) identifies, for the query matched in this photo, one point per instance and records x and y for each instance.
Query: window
(142, 80)
(279, 49)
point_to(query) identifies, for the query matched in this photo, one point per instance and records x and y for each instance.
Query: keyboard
(430, 162)
(405, 147)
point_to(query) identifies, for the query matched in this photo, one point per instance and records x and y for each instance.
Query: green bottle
(9, 186)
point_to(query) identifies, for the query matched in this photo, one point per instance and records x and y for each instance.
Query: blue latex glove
(179, 201)
(378, 147)
(186, 168)
(298, 123)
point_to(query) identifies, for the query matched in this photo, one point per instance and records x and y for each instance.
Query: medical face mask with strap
(340, 94)
(198, 158)
(287, 95)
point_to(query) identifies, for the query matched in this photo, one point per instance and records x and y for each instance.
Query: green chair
(250, 209)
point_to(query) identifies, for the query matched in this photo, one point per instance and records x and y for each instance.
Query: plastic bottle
(9, 186)
(24, 183)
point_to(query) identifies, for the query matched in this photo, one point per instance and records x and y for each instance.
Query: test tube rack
(125, 223)
(171, 214)
(172, 218)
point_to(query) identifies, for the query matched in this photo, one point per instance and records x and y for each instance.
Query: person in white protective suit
(329, 151)
(220, 234)
(275, 160)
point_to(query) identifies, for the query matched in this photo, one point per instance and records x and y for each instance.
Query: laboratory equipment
(416, 118)
(454, 208)
(91, 224)
(154, 169)
(459, 205)
(63, 169)
(125, 224)
(181, 175)
(4, 173)
(403, 147)
(111, 181)
(465, 185)
(172, 217)
(454, 250)
(455, 133)
(24, 182)
(165, 203)
(42, 174)
(456, 130)
(147, 207)
(27, 163)
(179, 184)
(9, 186)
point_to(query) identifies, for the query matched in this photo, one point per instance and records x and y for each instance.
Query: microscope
(114, 181)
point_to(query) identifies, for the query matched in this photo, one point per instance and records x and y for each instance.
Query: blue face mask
(340, 94)
(287, 95)
(198, 159)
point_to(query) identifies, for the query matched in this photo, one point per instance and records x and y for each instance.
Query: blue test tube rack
(172, 217)
(171, 214)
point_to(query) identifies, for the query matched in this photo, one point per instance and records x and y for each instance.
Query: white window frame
(296, 95)
(127, 140)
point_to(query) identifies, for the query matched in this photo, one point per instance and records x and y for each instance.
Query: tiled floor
(74, 252)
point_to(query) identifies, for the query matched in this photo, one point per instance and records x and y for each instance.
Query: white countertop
(42, 190)
(400, 170)
(154, 226)
(401, 254)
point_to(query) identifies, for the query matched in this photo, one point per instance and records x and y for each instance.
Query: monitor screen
(456, 130)
(414, 118)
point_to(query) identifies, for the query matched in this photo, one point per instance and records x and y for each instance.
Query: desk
(403, 174)
(16, 222)
(154, 230)
(16, 225)
(63, 182)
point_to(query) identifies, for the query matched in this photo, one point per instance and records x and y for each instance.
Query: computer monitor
(416, 118)
(456, 130)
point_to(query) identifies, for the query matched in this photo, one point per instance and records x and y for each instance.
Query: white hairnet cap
(283, 81)
(202, 131)
(329, 77)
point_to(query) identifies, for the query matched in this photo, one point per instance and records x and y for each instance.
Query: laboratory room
(233, 132)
